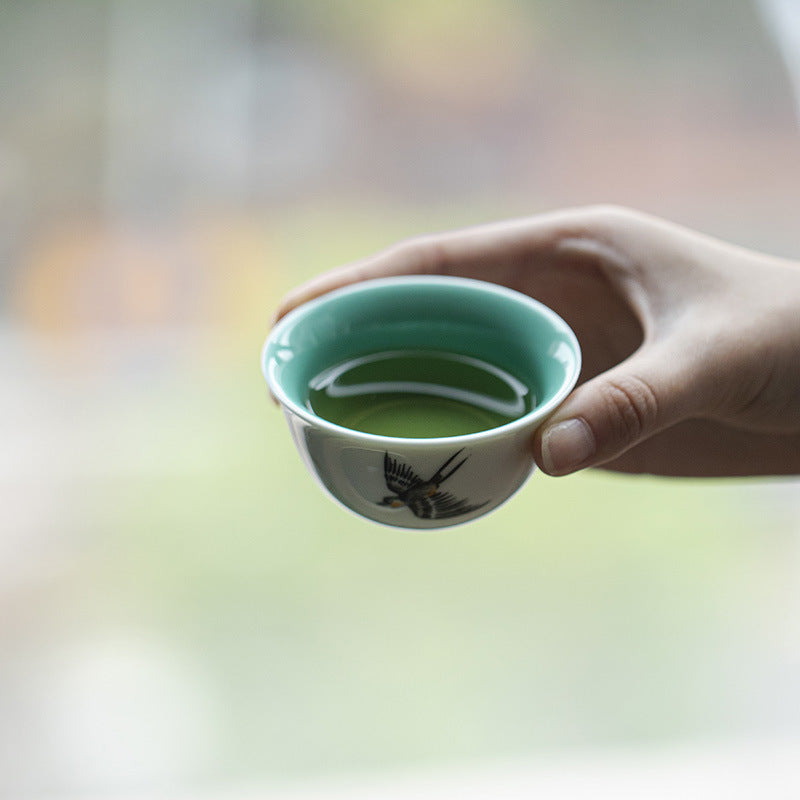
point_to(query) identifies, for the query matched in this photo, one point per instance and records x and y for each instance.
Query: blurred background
(181, 609)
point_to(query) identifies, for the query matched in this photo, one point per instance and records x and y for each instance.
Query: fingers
(509, 252)
(612, 413)
(442, 254)
(502, 252)
(407, 259)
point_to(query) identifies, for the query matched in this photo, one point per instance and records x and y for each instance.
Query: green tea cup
(413, 400)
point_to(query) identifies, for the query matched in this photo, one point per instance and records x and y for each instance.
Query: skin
(691, 346)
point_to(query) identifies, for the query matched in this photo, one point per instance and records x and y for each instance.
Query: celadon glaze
(432, 482)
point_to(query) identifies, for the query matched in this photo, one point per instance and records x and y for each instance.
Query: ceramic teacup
(421, 480)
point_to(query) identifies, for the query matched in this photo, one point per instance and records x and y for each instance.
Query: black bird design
(423, 496)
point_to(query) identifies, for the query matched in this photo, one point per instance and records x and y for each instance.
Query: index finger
(499, 252)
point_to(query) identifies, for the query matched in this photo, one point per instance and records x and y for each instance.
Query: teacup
(401, 457)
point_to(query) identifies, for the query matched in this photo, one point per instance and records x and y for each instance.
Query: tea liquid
(418, 394)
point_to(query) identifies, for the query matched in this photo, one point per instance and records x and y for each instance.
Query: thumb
(613, 412)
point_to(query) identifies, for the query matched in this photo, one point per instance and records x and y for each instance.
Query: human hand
(691, 346)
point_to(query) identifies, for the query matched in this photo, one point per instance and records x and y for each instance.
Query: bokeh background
(181, 609)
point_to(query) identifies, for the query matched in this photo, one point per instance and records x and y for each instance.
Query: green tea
(418, 394)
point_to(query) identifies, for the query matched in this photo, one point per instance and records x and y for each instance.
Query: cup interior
(472, 318)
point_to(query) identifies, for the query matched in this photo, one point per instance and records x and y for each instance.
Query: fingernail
(566, 445)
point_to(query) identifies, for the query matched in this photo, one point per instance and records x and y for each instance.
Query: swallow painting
(423, 497)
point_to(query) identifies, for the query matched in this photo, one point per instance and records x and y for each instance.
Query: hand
(691, 346)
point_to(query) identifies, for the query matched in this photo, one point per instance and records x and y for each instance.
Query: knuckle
(421, 254)
(632, 407)
(607, 216)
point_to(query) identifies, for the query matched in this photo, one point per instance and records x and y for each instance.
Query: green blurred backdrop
(181, 608)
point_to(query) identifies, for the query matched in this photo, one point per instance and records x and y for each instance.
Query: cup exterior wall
(418, 484)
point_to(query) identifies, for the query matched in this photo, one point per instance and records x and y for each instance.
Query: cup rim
(535, 415)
